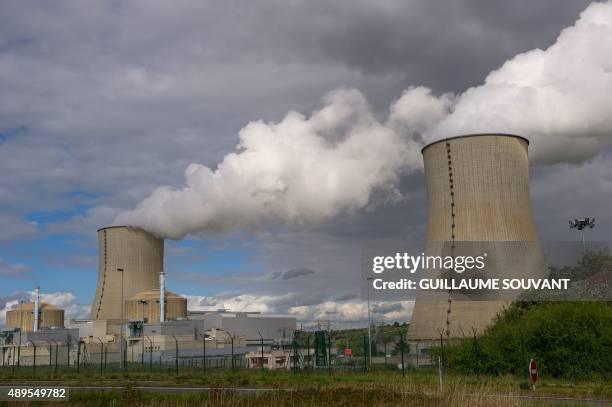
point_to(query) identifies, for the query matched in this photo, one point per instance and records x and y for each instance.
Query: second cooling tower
(141, 257)
(477, 190)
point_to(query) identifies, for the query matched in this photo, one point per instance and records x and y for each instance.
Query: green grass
(379, 387)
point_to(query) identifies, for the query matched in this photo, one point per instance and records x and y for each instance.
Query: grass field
(381, 387)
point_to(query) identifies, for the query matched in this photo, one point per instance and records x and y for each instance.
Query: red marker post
(533, 372)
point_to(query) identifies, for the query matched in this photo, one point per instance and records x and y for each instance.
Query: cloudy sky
(103, 102)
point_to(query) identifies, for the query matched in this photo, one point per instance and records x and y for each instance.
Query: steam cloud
(308, 169)
(559, 97)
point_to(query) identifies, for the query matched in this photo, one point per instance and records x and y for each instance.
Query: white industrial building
(248, 324)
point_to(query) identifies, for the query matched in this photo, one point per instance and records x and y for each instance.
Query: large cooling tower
(139, 254)
(477, 190)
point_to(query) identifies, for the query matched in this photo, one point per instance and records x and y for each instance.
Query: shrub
(572, 339)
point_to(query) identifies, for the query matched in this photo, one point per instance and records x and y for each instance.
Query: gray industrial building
(248, 324)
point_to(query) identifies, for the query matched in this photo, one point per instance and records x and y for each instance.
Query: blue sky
(61, 262)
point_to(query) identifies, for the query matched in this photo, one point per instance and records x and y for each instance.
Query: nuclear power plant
(477, 190)
(132, 313)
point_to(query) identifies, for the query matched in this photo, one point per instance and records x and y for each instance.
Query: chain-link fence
(306, 351)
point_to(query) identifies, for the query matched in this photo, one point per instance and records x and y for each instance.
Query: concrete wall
(193, 328)
(272, 327)
(49, 335)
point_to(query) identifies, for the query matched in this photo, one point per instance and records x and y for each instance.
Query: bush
(568, 339)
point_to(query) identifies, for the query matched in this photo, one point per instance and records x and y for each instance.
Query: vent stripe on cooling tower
(103, 275)
(453, 226)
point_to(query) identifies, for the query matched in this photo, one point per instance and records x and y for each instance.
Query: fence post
(440, 373)
(402, 351)
(150, 355)
(523, 353)
(101, 355)
(232, 352)
(574, 360)
(386, 346)
(78, 361)
(365, 353)
(441, 349)
(68, 352)
(49, 343)
(329, 352)
(56, 352)
(308, 349)
(124, 353)
(203, 353)
(176, 358)
(295, 354)
(476, 355)
(262, 350)
(34, 360)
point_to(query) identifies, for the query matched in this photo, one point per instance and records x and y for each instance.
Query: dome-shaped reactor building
(22, 316)
(130, 261)
(145, 306)
(477, 191)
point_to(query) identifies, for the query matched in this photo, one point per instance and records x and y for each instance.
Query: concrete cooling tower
(477, 190)
(141, 257)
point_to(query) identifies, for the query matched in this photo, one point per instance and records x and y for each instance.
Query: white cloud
(340, 312)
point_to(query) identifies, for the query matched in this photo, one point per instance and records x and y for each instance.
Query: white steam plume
(560, 98)
(298, 170)
(309, 169)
